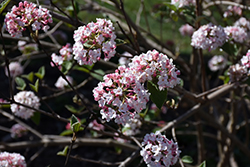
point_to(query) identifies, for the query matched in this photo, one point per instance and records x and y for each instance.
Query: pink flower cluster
(61, 83)
(27, 98)
(186, 30)
(93, 38)
(237, 34)
(155, 65)
(27, 48)
(232, 11)
(27, 14)
(95, 125)
(243, 23)
(158, 151)
(15, 69)
(183, 3)
(17, 130)
(217, 62)
(65, 55)
(209, 37)
(237, 72)
(120, 96)
(12, 160)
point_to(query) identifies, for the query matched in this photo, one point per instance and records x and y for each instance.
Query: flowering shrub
(159, 151)
(18, 130)
(27, 15)
(12, 160)
(27, 98)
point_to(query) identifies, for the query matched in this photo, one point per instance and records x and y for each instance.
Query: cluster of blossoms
(154, 65)
(237, 34)
(232, 11)
(209, 37)
(217, 62)
(65, 55)
(17, 130)
(27, 48)
(27, 14)
(12, 160)
(27, 98)
(186, 30)
(93, 38)
(245, 60)
(120, 96)
(95, 125)
(158, 151)
(243, 23)
(237, 72)
(61, 83)
(15, 69)
(182, 3)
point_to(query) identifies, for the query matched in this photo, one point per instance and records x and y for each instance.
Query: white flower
(61, 83)
(15, 69)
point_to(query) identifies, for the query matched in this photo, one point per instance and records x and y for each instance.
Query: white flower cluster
(158, 151)
(237, 72)
(217, 62)
(93, 38)
(27, 98)
(237, 34)
(12, 160)
(209, 37)
(17, 130)
(183, 3)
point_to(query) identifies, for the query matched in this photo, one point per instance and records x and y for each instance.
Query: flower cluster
(93, 38)
(155, 66)
(15, 69)
(245, 60)
(120, 96)
(209, 37)
(237, 72)
(95, 125)
(61, 83)
(243, 23)
(158, 151)
(27, 98)
(27, 48)
(12, 160)
(182, 3)
(126, 59)
(17, 130)
(217, 62)
(27, 14)
(232, 11)
(65, 55)
(237, 34)
(186, 30)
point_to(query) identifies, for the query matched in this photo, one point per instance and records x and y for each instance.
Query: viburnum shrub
(114, 82)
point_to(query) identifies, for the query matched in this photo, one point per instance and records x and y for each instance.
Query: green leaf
(203, 164)
(64, 152)
(119, 42)
(36, 118)
(30, 76)
(98, 74)
(158, 97)
(171, 6)
(3, 5)
(20, 83)
(73, 109)
(83, 69)
(66, 133)
(75, 124)
(41, 72)
(231, 49)
(35, 87)
(187, 159)
(66, 66)
(174, 16)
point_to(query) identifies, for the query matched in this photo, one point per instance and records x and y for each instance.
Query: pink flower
(93, 38)
(245, 60)
(12, 160)
(217, 62)
(186, 30)
(95, 125)
(243, 23)
(27, 98)
(26, 14)
(15, 69)
(158, 150)
(209, 37)
(65, 55)
(18, 130)
(237, 72)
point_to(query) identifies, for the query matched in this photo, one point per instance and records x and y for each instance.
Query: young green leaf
(203, 164)
(75, 124)
(187, 159)
(98, 74)
(30, 76)
(66, 133)
(41, 72)
(36, 118)
(157, 96)
(35, 87)
(3, 5)
(20, 83)
(64, 152)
